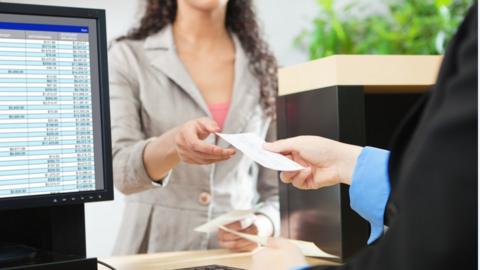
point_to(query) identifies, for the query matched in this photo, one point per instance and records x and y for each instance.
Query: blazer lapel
(245, 94)
(160, 49)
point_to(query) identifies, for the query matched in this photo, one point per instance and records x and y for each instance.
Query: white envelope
(252, 146)
(232, 216)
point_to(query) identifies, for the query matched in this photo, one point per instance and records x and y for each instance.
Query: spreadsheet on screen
(46, 121)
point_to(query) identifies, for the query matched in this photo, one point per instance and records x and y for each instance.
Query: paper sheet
(232, 216)
(252, 146)
(261, 240)
(308, 249)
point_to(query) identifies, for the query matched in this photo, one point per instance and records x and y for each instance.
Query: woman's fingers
(193, 143)
(200, 158)
(209, 124)
(224, 236)
(244, 245)
(236, 243)
(224, 151)
(218, 155)
(250, 230)
(199, 161)
(240, 245)
(192, 149)
(205, 126)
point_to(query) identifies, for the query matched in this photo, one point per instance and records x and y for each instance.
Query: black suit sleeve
(435, 174)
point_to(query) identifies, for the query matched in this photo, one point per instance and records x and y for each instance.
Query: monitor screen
(52, 109)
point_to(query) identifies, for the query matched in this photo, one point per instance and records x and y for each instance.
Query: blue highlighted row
(43, 27)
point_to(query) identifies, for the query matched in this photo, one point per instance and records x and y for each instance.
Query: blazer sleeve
(128, 139)
(267, 187)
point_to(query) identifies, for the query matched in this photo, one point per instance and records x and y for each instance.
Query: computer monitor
(54, 117)
(55, 146)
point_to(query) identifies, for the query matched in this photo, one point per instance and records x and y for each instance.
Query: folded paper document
(232, 216)
(308, 249)
(252, 146)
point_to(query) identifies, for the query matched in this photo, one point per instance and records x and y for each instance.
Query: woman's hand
(258, 225)
(278, 254)
(191, 148)
(183, 143)
(327, 162)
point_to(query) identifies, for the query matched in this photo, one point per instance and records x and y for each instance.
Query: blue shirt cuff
(370, 188)
(303, 267)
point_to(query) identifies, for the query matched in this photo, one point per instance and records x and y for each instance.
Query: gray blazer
(150, 93)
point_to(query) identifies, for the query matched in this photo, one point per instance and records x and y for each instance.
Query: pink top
(219, 112)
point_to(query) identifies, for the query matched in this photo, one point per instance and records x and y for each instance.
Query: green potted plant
(406, 27)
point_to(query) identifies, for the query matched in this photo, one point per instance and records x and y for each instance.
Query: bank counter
(185, 259)
(357, 99)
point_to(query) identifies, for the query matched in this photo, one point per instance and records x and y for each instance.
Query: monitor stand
(49, 236)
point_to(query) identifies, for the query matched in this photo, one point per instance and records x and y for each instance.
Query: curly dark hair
(240, 20)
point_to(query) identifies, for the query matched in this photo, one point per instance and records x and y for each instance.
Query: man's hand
(279, 254)
(327, 162)
(258, 225)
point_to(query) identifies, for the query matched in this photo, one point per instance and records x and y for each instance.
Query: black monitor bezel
(78, 197)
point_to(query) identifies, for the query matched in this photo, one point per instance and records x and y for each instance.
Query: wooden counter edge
(414, 73)
(182, 259)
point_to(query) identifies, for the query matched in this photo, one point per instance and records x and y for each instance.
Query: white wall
(281, 20)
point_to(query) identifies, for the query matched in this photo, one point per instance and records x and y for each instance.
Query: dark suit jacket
(432, 210)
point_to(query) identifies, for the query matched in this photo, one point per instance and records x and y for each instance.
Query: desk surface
(183, 259)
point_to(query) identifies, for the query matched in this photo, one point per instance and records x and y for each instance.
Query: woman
(192, 68)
